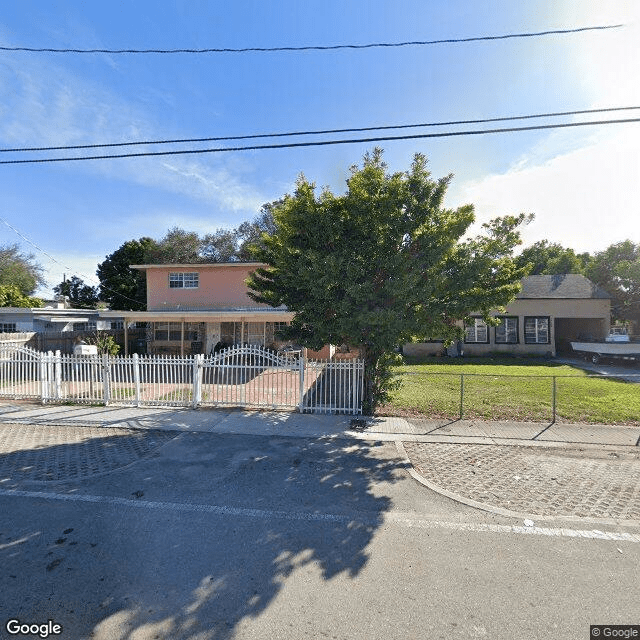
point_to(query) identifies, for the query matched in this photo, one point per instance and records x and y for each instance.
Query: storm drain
(48, 453)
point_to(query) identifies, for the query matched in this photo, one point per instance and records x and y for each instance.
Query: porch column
(181, 337)
(126, 337)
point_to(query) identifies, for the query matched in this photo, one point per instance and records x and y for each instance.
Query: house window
(117, 325)
(161, 331)
(477, 331)
(179, 280)
(507, 331)
(7, 327)
(536, 330)
(172, 331)
(84, 326)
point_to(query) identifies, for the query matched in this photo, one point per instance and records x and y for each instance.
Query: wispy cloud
(46, 105)
(585, 199)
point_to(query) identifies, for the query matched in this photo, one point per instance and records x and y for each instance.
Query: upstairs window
(180, 280)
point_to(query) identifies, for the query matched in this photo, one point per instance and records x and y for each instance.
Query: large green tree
(80, 295)
(122, 287)
(551, 258)
(219, 246)
(178, 247)
(382, 264)
(250, 233)
(11, 296)
(617, 271)
(20, 269)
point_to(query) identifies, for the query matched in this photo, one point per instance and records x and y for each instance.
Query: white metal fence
(247, 376)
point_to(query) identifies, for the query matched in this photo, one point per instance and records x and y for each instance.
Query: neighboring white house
(53, 317)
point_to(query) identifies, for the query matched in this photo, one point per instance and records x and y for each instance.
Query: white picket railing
(247, 376)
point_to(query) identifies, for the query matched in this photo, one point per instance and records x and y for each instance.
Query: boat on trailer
(617, 345)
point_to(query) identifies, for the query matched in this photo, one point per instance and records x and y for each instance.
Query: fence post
(106, 379)
(198, 362)
(136, 377)
(461, 395)
(302, 365)
(44, 382)
(553, 400)
(58, 374)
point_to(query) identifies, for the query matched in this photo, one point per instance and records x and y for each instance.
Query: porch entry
(191, 338)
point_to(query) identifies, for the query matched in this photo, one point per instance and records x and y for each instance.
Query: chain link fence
(592, 398)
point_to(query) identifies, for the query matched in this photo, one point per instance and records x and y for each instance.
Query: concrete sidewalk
(319, 425)
(537, 470)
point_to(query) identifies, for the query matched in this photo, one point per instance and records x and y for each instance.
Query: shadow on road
(223, 526)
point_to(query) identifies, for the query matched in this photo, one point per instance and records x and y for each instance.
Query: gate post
(44, 381)
(106, 379)
(198, 363)
(136, 377)
(58, 374)
(302, 364)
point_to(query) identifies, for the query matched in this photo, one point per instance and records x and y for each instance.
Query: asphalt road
(225, 536)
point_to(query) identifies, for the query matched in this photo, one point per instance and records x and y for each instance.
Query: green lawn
(511, 389)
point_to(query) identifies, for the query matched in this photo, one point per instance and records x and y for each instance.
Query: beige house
(194, 308)
(546, 315)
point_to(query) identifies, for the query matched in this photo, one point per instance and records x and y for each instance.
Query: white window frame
(507, 324)
(85, 326)
(541, 328)
(472, 332)
(184, 280)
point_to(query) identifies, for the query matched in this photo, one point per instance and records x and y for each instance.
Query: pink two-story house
(191, 308)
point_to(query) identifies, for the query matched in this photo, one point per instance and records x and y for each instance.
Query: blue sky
(583, 184)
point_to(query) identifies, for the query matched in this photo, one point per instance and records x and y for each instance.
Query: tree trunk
(371, 395)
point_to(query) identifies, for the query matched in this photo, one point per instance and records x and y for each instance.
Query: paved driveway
(629, 371)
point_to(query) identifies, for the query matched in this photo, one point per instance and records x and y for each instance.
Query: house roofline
(201, 316)
(197, 265)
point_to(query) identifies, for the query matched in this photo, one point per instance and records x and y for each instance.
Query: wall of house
(582, 315)
(218, 287)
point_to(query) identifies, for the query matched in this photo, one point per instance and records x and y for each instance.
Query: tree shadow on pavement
(223, 526)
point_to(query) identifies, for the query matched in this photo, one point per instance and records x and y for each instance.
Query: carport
(567, 330)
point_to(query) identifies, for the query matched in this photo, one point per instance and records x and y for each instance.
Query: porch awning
(59, 320)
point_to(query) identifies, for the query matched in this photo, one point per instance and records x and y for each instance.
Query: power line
(317, 132)
(35, 246)
(371, 45)
(290, 145)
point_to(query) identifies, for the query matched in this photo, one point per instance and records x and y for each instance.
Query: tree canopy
(178, 246)
(382, 264)
(617, 271)
(80, 295)
(11, 296)
(551, 258)
(121, 287)
(20, 270)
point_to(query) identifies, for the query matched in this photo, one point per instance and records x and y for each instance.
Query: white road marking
(388, 518)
